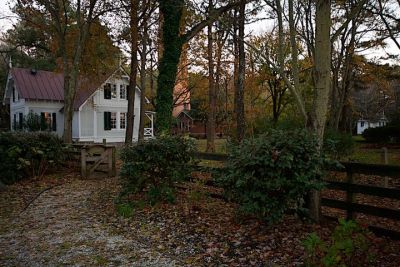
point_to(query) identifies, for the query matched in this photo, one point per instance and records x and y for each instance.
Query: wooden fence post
(349, 193)
(83, 163)
(385, 160)
(114, 157)
(110, 161)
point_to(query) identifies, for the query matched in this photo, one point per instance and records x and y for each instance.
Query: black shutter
(15, 122)
(107, 91)
(127, 91)
(21, 121)
(42, 122)
(54, 121)
(107, 121)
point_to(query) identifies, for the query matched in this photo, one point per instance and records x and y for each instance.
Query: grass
(125, 210)
(374, 156)
(220, 145)
(360, 154)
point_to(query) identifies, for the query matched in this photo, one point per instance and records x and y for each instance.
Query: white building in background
(100, 107)
(363, 124)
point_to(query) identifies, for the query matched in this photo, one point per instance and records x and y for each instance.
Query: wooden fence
(352, 168)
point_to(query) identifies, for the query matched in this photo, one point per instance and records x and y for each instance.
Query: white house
(100, 107)
(363, 124)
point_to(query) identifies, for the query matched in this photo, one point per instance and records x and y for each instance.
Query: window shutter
(42, 122)
(127, 91)
(107, 121)
(15, 122)
(54, 121)
(107, 91)
(21, 120)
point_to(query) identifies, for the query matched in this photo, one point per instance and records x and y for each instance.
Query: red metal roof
(49, 86)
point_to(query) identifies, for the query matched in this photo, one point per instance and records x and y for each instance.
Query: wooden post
(114, 156)
(110, 161)
(83, 163)
(104, 141)
(385, 160)
(349, 193)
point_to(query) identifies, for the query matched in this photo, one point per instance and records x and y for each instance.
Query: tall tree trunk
(211, 90)
(151, 74)
(133, 71)
(143, 78)
(322, 80)
(71, 73)
(293, 44)
(172, 48)
(240, 116)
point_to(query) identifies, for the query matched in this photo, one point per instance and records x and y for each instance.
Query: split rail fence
(348, 186)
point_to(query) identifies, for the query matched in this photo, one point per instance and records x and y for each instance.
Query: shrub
(337, 144)
(382, 134)
(270, 174)
(28, 154)
(154, 166)
(33, 122)
(264, 124)
(349, 246)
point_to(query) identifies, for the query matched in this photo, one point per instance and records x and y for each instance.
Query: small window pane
(113, 120)
(113, 91)
(122, 91)
(122, 120)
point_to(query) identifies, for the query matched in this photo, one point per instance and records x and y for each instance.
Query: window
(48, 121)
(113, 91)
(107, 91)
(13, 93)
(122, 120)
(362, 124)
(122, 91)
(113, 120)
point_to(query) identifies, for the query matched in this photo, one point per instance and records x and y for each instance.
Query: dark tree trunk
(211, 91)
(171, 11)
(322, 79)
(134, 65)
(240, 116)
(143, 78)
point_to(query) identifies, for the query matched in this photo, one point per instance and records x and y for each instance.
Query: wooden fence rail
(351, 168)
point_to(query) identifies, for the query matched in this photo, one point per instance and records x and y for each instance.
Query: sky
(7, 18)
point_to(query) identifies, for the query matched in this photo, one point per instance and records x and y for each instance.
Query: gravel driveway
(63, 227)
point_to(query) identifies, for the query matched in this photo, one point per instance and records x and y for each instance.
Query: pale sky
(7, 18)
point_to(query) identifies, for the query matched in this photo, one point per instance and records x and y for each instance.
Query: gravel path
(62, 227)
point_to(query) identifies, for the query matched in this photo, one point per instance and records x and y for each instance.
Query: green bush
(337, 144)
(264, 124)
(270, 174)
(389, 133)
(154, 166)
(27, 155)
(349, 246)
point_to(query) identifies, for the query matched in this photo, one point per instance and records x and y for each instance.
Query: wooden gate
(92, 156)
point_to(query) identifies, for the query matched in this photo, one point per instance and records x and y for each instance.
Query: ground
(65, 226)
(61, 219)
